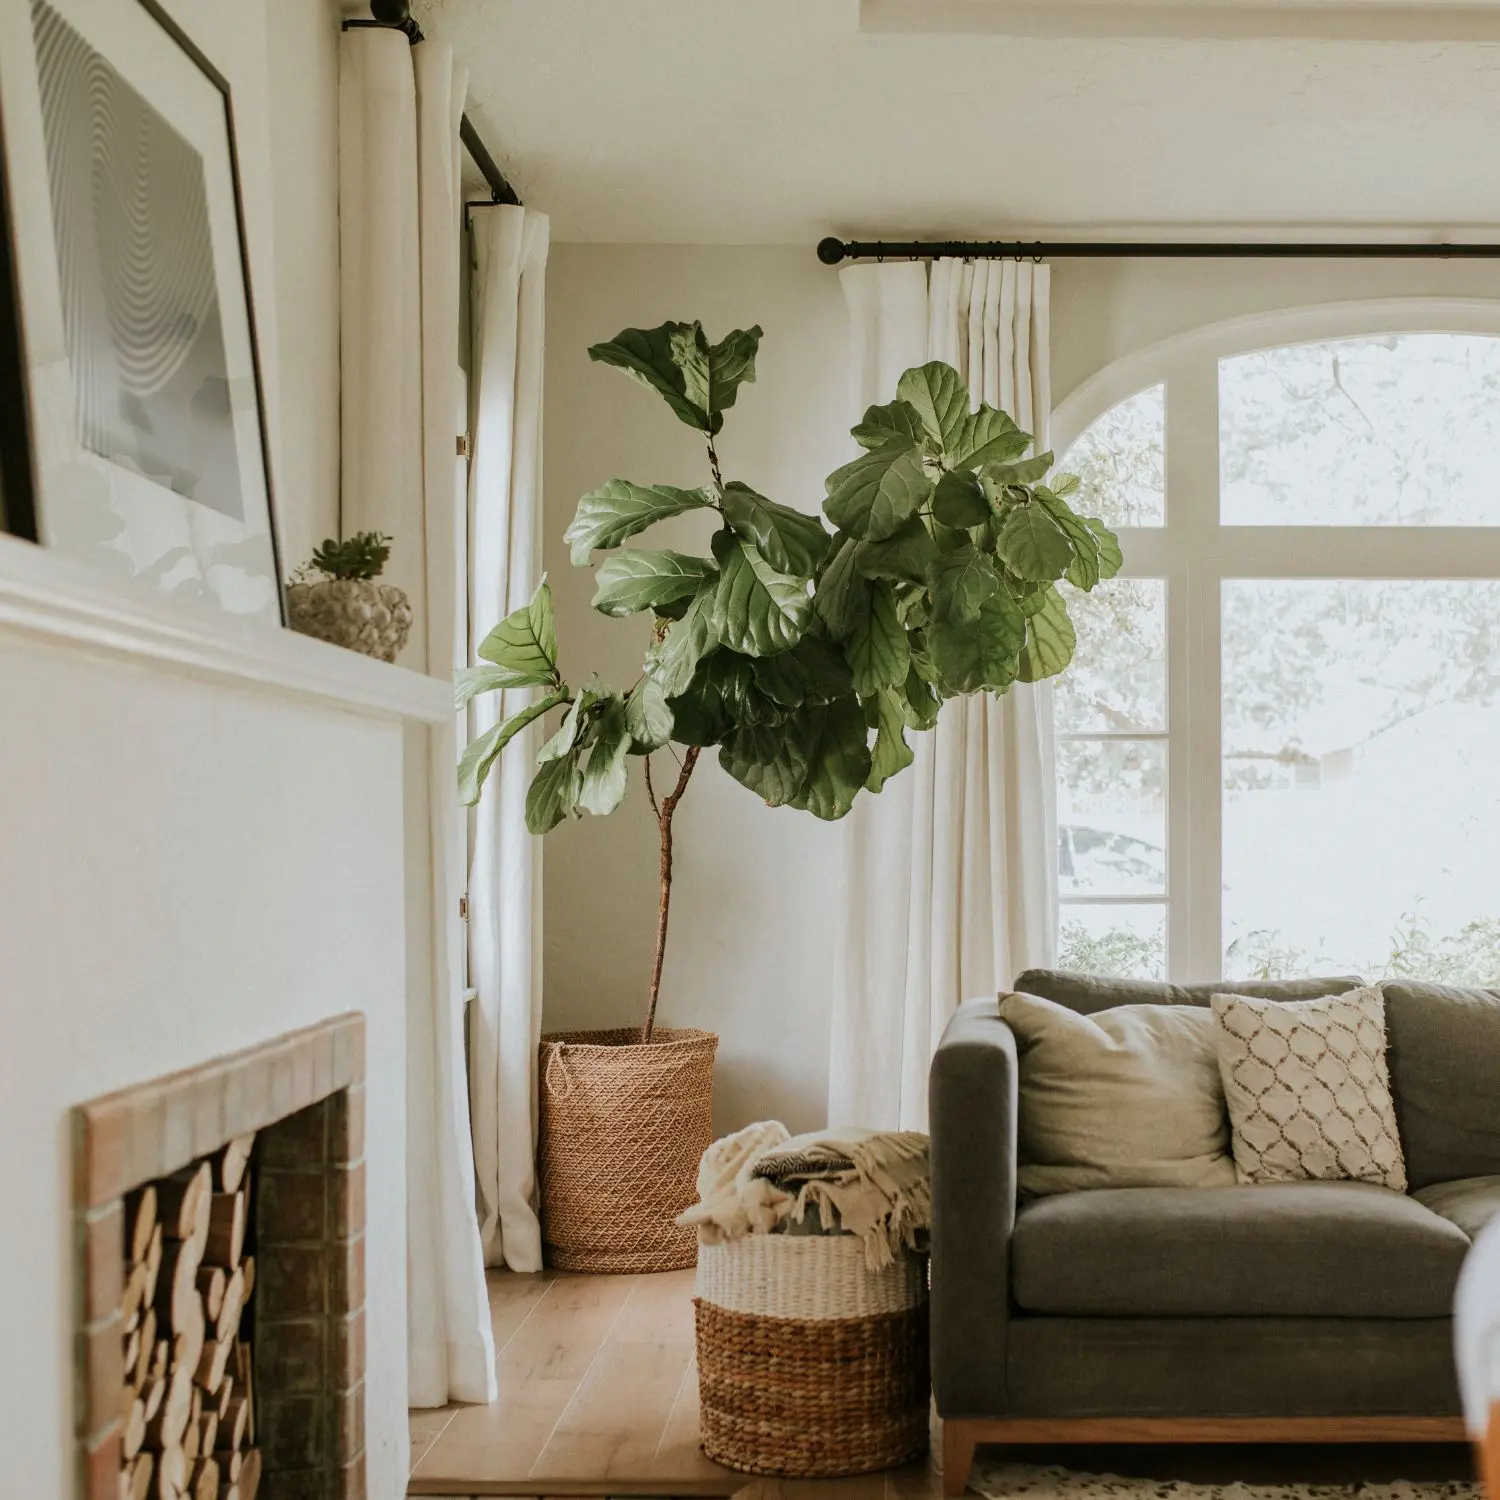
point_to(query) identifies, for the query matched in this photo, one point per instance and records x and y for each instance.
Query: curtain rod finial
(830, 251)
(391, 12)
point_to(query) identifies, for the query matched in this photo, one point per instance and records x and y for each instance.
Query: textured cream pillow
(1128, 1097)
(1309, 1089)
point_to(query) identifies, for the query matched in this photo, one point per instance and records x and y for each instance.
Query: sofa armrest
(973, 1104)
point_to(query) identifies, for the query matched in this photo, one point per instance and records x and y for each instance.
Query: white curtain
(505, 865)
(950, 880)
(400, 214)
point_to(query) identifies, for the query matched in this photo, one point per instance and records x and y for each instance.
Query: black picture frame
(17, 468)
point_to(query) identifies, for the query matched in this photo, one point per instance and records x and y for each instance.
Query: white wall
(188, 868)
(750, 954)
(750, 951)
(1105, 309)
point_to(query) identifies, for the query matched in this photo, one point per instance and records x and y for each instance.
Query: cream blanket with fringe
(871, 1183)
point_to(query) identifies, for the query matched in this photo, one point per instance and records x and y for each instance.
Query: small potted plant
(805, 655)
(346, 605)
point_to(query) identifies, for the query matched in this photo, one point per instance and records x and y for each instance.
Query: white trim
(1191, 20)
(46, 596)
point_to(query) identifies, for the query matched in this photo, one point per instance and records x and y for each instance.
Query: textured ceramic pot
(359, 613)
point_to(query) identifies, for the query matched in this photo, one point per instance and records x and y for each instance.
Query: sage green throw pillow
(1127, 1097)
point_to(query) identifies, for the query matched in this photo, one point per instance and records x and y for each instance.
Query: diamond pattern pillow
(1309, 1089)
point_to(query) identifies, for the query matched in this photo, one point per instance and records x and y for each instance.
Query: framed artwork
(17, 515)
(136, 321)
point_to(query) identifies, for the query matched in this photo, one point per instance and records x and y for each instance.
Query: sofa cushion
(1445, 1071)
(1308, 1089)
(1471, 1202)
(1292, 1250)
(1128, 1097)
(1087, 993)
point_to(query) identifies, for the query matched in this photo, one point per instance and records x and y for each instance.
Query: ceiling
(780, 121)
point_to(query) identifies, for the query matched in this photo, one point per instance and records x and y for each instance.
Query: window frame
(1194, 555)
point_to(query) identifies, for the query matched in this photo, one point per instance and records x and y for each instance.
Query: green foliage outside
(806, 653)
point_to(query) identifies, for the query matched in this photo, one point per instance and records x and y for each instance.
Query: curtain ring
(1036, 258)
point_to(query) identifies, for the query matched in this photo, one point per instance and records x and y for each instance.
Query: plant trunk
(664, 906)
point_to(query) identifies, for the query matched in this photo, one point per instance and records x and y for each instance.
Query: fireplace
(250, 1169)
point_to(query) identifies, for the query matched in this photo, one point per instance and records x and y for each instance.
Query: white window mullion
(1194, 814)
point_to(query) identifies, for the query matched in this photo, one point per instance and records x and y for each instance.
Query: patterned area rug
(1001, 1481)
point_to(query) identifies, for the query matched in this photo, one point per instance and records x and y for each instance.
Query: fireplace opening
(221, 1216)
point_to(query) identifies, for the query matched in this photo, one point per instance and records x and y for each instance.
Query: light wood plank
(426, 1425)
(678, 1455)
(614, 1424)
(540, 1369)
(512, 1299)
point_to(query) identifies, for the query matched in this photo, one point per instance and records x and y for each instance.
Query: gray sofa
(1287, 1312)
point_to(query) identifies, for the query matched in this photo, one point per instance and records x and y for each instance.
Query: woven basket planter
(623, 1126)
(810, 1365)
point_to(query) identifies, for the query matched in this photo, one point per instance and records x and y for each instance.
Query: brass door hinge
(463, 908)
(463, 445)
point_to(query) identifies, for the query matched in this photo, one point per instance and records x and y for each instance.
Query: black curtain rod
(831, 250)
(395, 15)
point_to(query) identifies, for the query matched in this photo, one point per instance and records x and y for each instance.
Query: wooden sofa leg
(959, 1441)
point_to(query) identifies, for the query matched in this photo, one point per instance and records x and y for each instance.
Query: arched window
(1279, 747)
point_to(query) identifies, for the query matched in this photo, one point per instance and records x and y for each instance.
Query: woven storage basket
(623, 1125)
(810, 1365)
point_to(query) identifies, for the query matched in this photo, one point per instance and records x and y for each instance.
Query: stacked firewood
(187, 1402)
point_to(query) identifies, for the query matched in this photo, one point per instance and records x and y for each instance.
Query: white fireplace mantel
(48, 596)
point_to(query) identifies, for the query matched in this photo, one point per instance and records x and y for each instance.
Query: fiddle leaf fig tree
(805, 654)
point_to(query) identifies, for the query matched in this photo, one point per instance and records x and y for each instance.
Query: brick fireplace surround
(303, 1094)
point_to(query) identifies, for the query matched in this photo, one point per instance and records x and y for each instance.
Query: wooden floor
(599, 1396)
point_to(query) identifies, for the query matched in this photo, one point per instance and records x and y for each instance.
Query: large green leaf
(840, 589)
(936, 392)
(904, 556)
(883, 425)
(958, 500)
(1050, 640)
(724, 693)
(891, 753)
(874, 494)
(571, 732)
(792, 541)
(980, 652)
(647, 354)
(816, 760)
(960, 581)
(525, 641)
(647, 717)
(1111, 559)
(813, 671)
(673, 660)
(604, 776)
(479, 755)
(469, 682)
(1022, 471)
(919, 703)
(1032, 544)
(554, 793)
(619, 509)
(985, 436)
(757, 611)
(1083, 571)
(631, 580)
(713, 373)
(876, 647)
